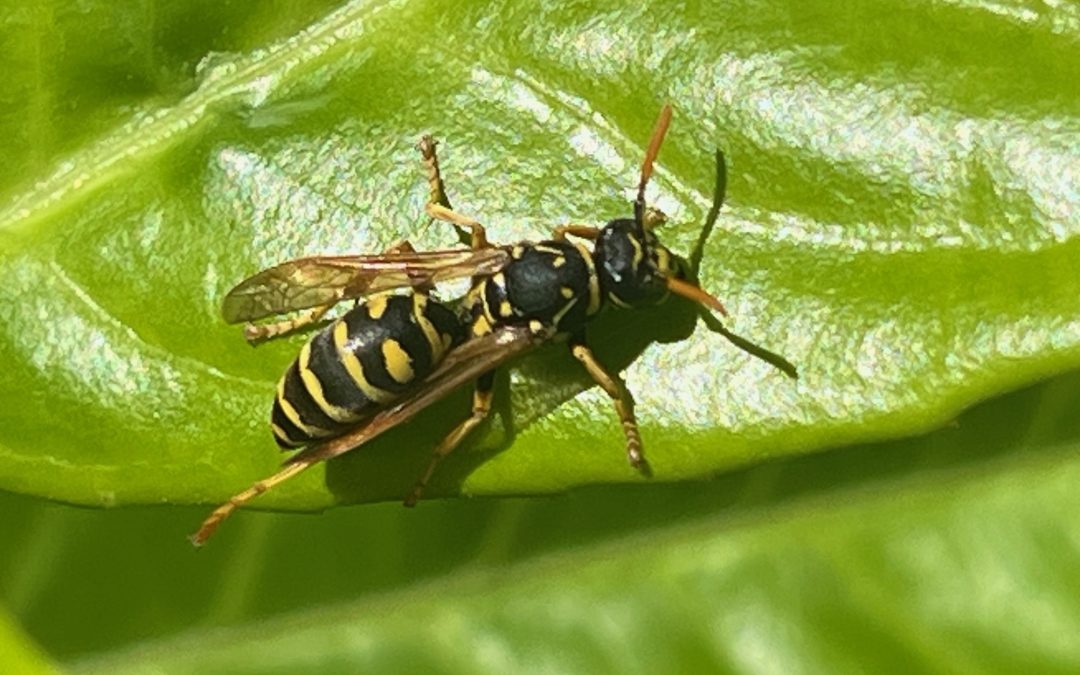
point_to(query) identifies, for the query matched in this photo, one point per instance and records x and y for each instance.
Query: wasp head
(634, 267)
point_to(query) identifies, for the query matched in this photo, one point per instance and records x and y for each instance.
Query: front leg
(620, 395)
(436, 187)
(478, 238)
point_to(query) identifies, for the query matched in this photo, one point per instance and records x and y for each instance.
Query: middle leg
(481, 409)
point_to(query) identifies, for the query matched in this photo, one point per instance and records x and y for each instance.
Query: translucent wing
(322, 280)
(462, 365)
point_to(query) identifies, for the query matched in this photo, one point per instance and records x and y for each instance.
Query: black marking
(366, 337)
(293, 437)
(395, 321)
(297, 395)
(338, 387)
(627, 276)
(534, 283)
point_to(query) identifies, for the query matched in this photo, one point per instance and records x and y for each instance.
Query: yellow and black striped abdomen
(361, 362)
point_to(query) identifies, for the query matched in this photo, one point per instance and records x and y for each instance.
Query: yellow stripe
(398, 362)
(481, 326)
(315, 389)
(294, 417)
(617, 300)
(500, 281)
(550, 250)
(355, 368)
(639, 253)
(594, 282)
(562, 312)
(280, 434)
(431, 334)
(663, 260)
(376, 306)
(506, 309)
(475, 297)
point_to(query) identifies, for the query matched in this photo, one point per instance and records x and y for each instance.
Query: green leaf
(955, 552)
(901, 225)
(18, 652)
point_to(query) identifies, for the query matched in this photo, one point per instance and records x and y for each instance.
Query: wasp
(394, 354)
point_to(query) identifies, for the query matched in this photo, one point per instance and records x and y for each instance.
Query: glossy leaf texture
(901, 224)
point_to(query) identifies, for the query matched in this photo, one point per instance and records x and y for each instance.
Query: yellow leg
(403, 246)
(581, 231)
(210, 525)
(427, 146)
(259, 332)
(419, 285)
(481, 408)
(440, 212)
(438, 204)
(620, 395)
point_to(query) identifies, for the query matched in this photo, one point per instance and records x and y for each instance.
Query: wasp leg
(405, 246)
(437, 188)
(480, 410)
(210, 525)
(261, 332)
(479, 234)
(258, 333)
(438, 206)
(624, 402)
(581, 231)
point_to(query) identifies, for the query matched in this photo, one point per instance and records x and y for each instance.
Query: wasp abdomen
(359, 363)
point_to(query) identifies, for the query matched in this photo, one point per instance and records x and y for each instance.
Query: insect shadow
(386, 468)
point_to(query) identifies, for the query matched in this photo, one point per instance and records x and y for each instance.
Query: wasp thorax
(631, 264)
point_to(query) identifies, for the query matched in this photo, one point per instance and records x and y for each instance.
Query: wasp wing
(323, 280)
(462, 365)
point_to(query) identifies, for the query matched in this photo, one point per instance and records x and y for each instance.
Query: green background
(900, 224)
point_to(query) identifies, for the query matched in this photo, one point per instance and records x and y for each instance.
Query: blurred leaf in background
(901, 224)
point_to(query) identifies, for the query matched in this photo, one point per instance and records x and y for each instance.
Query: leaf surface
(903, 235)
